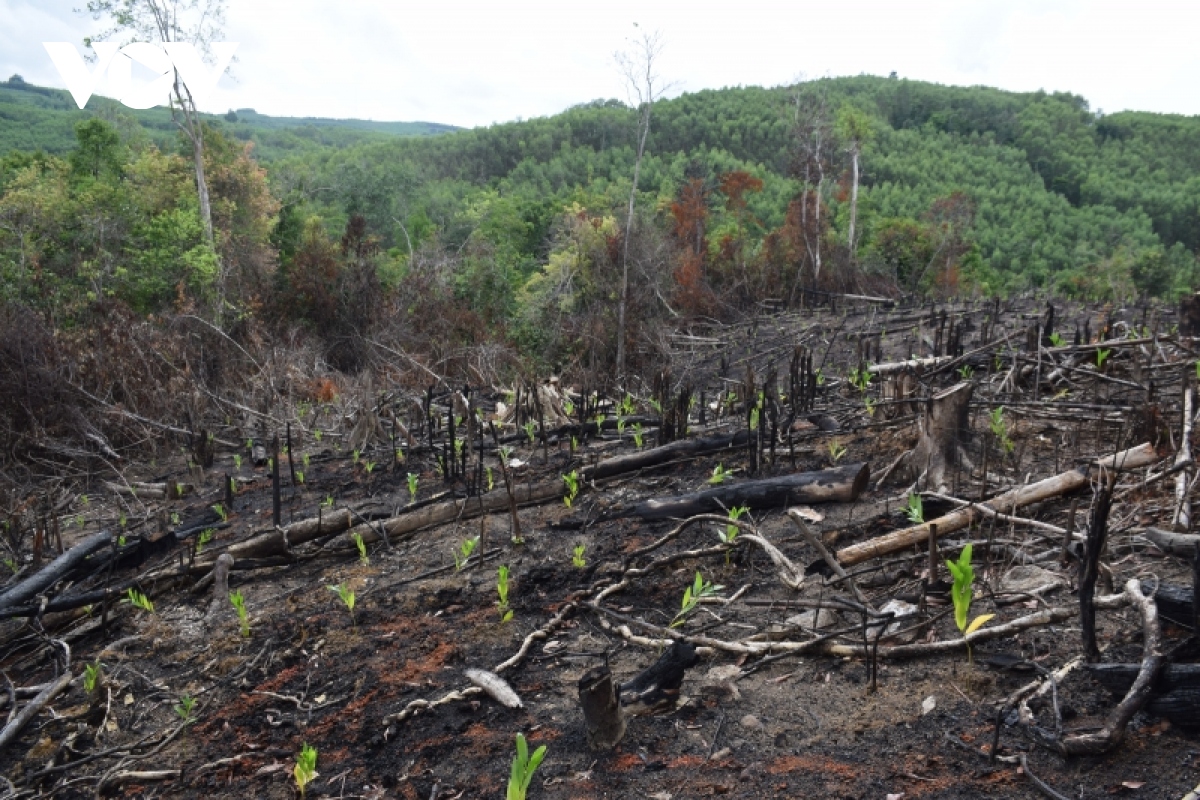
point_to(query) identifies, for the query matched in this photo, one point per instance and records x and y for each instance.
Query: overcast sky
(474, 63)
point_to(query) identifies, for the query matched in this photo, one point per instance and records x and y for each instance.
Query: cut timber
(839, 485)
(1176, 695)
(943, 424)
(1135, 458)
(55, 571)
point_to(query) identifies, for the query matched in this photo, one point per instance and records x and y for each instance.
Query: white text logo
(201, 79)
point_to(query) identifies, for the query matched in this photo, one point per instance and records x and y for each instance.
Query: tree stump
(602, 712)
(944, 426)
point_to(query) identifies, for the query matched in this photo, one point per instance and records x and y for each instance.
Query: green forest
(519, 234)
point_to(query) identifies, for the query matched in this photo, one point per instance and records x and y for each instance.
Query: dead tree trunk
(1135, 458)
(944, 424)
(602, 712)
(840, 485)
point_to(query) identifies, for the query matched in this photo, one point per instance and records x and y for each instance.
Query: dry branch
(55, 571)
(1135, 458)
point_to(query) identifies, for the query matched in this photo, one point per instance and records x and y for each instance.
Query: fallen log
(839, 485)
(55, 571)
(1177, 544)
(1175, 603)
(1055, 486)
(1176, 695)
(685, 448)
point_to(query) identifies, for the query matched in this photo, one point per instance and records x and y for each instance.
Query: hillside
(38, 117)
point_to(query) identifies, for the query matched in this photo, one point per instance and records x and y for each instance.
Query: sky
(473, 63)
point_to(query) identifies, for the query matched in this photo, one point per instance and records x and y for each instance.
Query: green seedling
(720, 475)
(271, 465)
(869, 406)
(502, 592)
(571, 479)
(175, 518)
(620, 426)
(568, 407)
(962, 592)
(820, 377)
(399, 455)
(577, 559)
(1000, 428)
(1057, 340)
(413, 479)
(914, 509)
(299, 476)
(754, 412)
(11, 563)
(305, 460)
(627, 406)
(523, 767)
(530, 429)
(184, 708)
(860, 378)
(362, 549)
(121, 540)
(328, 501)
(574, 443)
(347, 596)
(369, 466)
(318, 435)
(965, 372)
(93, 677)
(505, 452)
(205, 537)
(691, 598)
(79, 520)
(237, 461)
(306, 767)
(463, 554)
(354, 457)
(731, 532)
(122, 520)
(250, 445)
(458, 447)
(239, 605)
(637, 435)
(138, 600)
(1101, 357)
(83, 499)
(836, 450)
(491, 481)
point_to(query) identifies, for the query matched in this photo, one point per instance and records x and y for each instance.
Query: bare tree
(199, 22)
(813, 130)
(644, 87)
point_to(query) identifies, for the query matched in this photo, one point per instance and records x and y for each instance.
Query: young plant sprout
(491, 481)
(577, 559)
(204, 538)
(502, 592)
(413, 479)
(184, 708)
(463, 554)
(836, 450)
(93, 677)
(362, 549)
(306, 767)
(239, 605)
(731, 532)
(962, 592)
(530, 429)
(138, 600)
(691, 598)
(571, 479)
(720, 475)
(347, 596)
(914, 509)
(237, 461)
(523, 767)
(1000, 428)
(328, 501)
(637, 435)
(1101, 357)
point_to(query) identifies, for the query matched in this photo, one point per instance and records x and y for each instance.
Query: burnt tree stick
(1089, 571)
(1135, 458)
(55, 571)
(602, 712)
(664, 454)
(842, 485)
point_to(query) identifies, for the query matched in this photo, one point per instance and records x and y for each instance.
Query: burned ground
(186, 705)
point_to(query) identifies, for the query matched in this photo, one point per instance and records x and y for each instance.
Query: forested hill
(1038, 189)
(518, 230)
(37, 117)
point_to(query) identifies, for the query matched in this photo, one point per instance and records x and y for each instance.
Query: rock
(1029, 578)
(928, 705)
(751, 722)
(719, 682)
(900, 609)
(815, 618)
